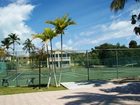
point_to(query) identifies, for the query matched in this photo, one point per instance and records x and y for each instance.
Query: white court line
(17, 76)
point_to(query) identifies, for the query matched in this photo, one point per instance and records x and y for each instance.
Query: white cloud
(107, 32)
(66, 46)
(119, 25)
(13, 17)
(18, 1)
(88, 33)
(116, 30)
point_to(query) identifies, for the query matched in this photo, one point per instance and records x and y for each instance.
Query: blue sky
(96, 23)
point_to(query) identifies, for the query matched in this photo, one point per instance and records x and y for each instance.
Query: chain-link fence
(21, 69)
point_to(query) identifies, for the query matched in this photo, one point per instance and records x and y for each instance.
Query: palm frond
(61, 24)
(40, 36)
(49, 33)
(50, 22)
(117, 5)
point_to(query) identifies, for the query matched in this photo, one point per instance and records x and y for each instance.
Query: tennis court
(71, 74)
(76, 66)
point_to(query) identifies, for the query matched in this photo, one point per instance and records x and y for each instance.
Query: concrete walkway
(99, 95)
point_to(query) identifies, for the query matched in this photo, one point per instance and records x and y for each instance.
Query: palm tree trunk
(55, 80)
(50, 71)
(48, 59)
(32, 63)
(48, 64)
(13, 61)
(61, 60)
(13, 50)
(52, 60)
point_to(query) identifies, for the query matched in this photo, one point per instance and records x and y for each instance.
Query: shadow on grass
(82, 98)
(36, 86)
(131, 88)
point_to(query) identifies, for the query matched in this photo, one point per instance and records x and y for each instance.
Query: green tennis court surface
(72, 74)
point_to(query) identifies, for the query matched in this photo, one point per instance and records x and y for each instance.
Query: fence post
(117, 62)
(87, 64)
(39, 73)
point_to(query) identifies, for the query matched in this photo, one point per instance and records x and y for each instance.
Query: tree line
(109, 55)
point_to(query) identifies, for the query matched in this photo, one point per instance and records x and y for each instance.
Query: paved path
(83, 96)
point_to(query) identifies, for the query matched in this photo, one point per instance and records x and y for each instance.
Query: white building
(56, 58)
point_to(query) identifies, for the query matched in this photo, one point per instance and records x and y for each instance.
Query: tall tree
(45, 41)
(2, 53)
(48, 32)
(107, 53)
(43, 38)
(28, 46)
(117, 5)
(46, 36)
(132, 44)
(13, 37)
(60, 25)
(13, 40)
(40, 58)
(6, 43)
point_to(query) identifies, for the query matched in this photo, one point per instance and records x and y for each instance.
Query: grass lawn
(17, 90)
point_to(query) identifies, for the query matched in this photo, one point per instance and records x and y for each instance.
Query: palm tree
(50, 34)
(45, 41)
(29, 47)
(118, 4)
(46, 36)
(6, 43)
(13, 40)
(60, 25)
(43, 38)
(2, 53)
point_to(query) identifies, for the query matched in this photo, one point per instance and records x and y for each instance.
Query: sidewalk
(83, 96)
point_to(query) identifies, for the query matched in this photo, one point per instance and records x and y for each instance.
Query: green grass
(18, 90)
